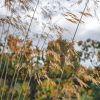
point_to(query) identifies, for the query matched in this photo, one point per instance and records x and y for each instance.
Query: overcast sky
(56, 9)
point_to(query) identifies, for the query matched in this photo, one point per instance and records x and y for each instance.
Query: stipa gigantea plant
(55, 62)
